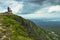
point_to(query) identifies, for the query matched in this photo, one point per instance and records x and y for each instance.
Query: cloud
(1, 10)
(32, 1)
(30, 8)
(54, 8)
(45, 12)
(34, 5)
(15, 6)
(30, 16)
(35, 15)
(56, 2)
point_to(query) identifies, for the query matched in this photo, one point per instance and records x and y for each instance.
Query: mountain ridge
(13, 27)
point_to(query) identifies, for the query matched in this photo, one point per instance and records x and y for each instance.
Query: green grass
(17, 28)
(13, 29)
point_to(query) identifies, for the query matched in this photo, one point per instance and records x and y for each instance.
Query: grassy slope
(55, 29)
(14, 27)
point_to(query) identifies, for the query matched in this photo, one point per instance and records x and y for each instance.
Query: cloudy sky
(32, 9)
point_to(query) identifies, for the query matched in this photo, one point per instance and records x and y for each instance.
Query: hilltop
(13, 27)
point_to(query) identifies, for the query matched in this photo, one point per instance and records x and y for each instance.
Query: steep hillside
(48, 25)
(13, 27)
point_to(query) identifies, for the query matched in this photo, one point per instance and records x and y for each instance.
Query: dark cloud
(41, 3)
(32, 1)
(29, 8)
(56, 2)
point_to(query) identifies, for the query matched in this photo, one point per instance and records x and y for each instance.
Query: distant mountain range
(49, 24)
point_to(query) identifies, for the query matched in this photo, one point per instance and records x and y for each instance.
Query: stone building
(9, 11)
